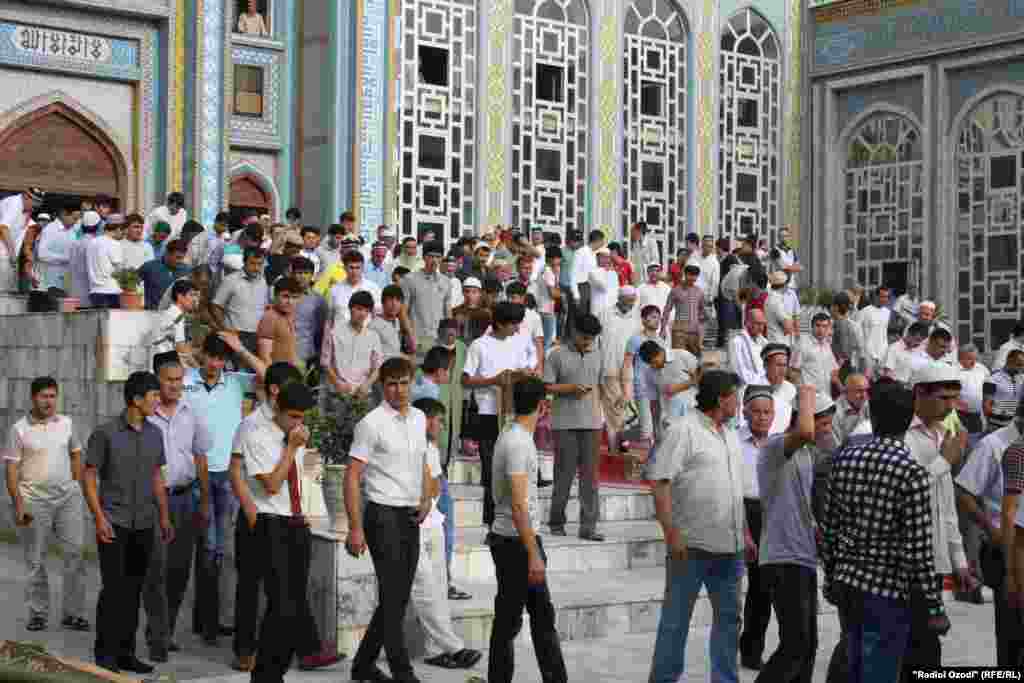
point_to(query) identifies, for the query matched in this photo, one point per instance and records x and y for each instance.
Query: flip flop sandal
(446, 660)
(456, 594)
(36, 624)
(75, 623)
(467, 659)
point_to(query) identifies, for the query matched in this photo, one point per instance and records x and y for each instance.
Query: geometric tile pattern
(793, 156)
(654, 179)
(704, 124)
(210, 79)
(371, 90)
(497, 108)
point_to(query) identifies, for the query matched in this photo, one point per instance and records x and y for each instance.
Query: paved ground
(624, 659)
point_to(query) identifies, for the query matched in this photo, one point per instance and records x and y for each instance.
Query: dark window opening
(550, 83)
(746, 187)
(1004, 172)
(434, 65)
(549, 165)
(248, 90)
(432, 152)
(548, 206)
(651, 98)
(432, 195)
(1002, 253)
(746, 111)
(653, 176)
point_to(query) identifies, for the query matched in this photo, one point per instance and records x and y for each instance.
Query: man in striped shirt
(687, 300)
(1002, 391)
(877, 541)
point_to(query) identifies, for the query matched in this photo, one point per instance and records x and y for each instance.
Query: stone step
(618, 503)
(627, 545)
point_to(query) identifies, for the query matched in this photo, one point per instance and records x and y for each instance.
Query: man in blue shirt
(218, 396)
(159, 274)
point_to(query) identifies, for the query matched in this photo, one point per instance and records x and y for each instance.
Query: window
(650, 98)
(1004, 172)
(746, 114)
(433, 65)
(746, 188)
(550, 83)
(432, 152)
(248, 90)
(653, 176)
(255, 23)
(549, 165)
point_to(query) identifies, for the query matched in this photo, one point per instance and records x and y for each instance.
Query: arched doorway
(248, 196)
(61, 151)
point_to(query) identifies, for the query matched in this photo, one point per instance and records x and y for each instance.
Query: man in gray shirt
(127, 455)
(519, 559)
(573, 374)
(428, 297)
(242, 299)
(788, 555)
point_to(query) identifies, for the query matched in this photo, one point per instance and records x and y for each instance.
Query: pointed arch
(749, 126)
(247, 169)
(100, 148)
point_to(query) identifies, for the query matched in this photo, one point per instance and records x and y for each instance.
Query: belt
(179, 490)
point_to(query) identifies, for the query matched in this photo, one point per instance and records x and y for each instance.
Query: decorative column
(175, 176)
(371, 101)
(705, 86)
(212, 47)
(794, 120)
(496, 112)
(607, 171)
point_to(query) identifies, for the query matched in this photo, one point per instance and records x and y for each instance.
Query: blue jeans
(446, 507)
(877, 630)
(222, 509)
(549, 321)
(720, 574)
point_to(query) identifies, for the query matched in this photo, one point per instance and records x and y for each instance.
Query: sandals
(456, 594)
(463, 659)
(36, 623)
(75, 623)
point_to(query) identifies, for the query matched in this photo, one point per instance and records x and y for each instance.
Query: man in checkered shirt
(877, 541)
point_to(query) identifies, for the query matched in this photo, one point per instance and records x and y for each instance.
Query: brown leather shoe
(244, 663)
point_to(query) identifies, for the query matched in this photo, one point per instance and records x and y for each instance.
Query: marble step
(627, 545)
(618, 503)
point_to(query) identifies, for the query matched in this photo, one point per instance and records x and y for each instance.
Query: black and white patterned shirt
(1004, 390)
(877, 527)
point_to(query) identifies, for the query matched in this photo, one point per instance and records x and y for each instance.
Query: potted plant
(128, 280)
(331, 430)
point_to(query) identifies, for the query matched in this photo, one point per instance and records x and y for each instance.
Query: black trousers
(924, 648)
(250, 563)
(511, 568)
(794, 591)
(485, 431)
(1009, 621)
(757, 605)
(393, 537)
(123, 566)
(285, 551)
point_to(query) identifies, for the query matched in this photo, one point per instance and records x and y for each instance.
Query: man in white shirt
(698, 492)
(78, 264)
(785, 258)
(531, 332)
(973, 376)
(15, 214)
(583, 264)
(745, 349)
(1014, 343)
(53, 250)
(776, 363)
(643, 253)
(936, 392)
(655, 291)
(853, 411)
(388, 461)
(710, 269)
(903, 357)
(273, 452)
(134, 249)
(814, 357)
(353, 282)
(874, 321)
(173, 213)
(781, 326)
(489, 361)
(618, 325)
(604, 283)
(908, 305)
(103, 258)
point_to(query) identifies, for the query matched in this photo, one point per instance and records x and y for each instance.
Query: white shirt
(102, 258)
(901, 361)
(604, 289)
(776, 315)
(874, 322)
(751, 455)
(160, 213)
(710, 276)
(435, 519)
(583, 263)
(394, 450)
(971, 385)
(12, 214)
(1004, 351)
(486, 357)
(79, 268)
(313, 256)
(948, 544)
(982, 475)
(787, 258)
(342, 292)
(54, 247)
(653, 295)
(261, 443)
(745, 357)
(783, 396)
(816, 363)
(457, 296)
(169, 329)
(617, 328)
(137, 253)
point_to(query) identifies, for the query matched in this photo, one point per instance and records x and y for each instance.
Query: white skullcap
(90, 218)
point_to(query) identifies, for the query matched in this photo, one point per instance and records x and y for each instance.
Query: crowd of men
(847, 435)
